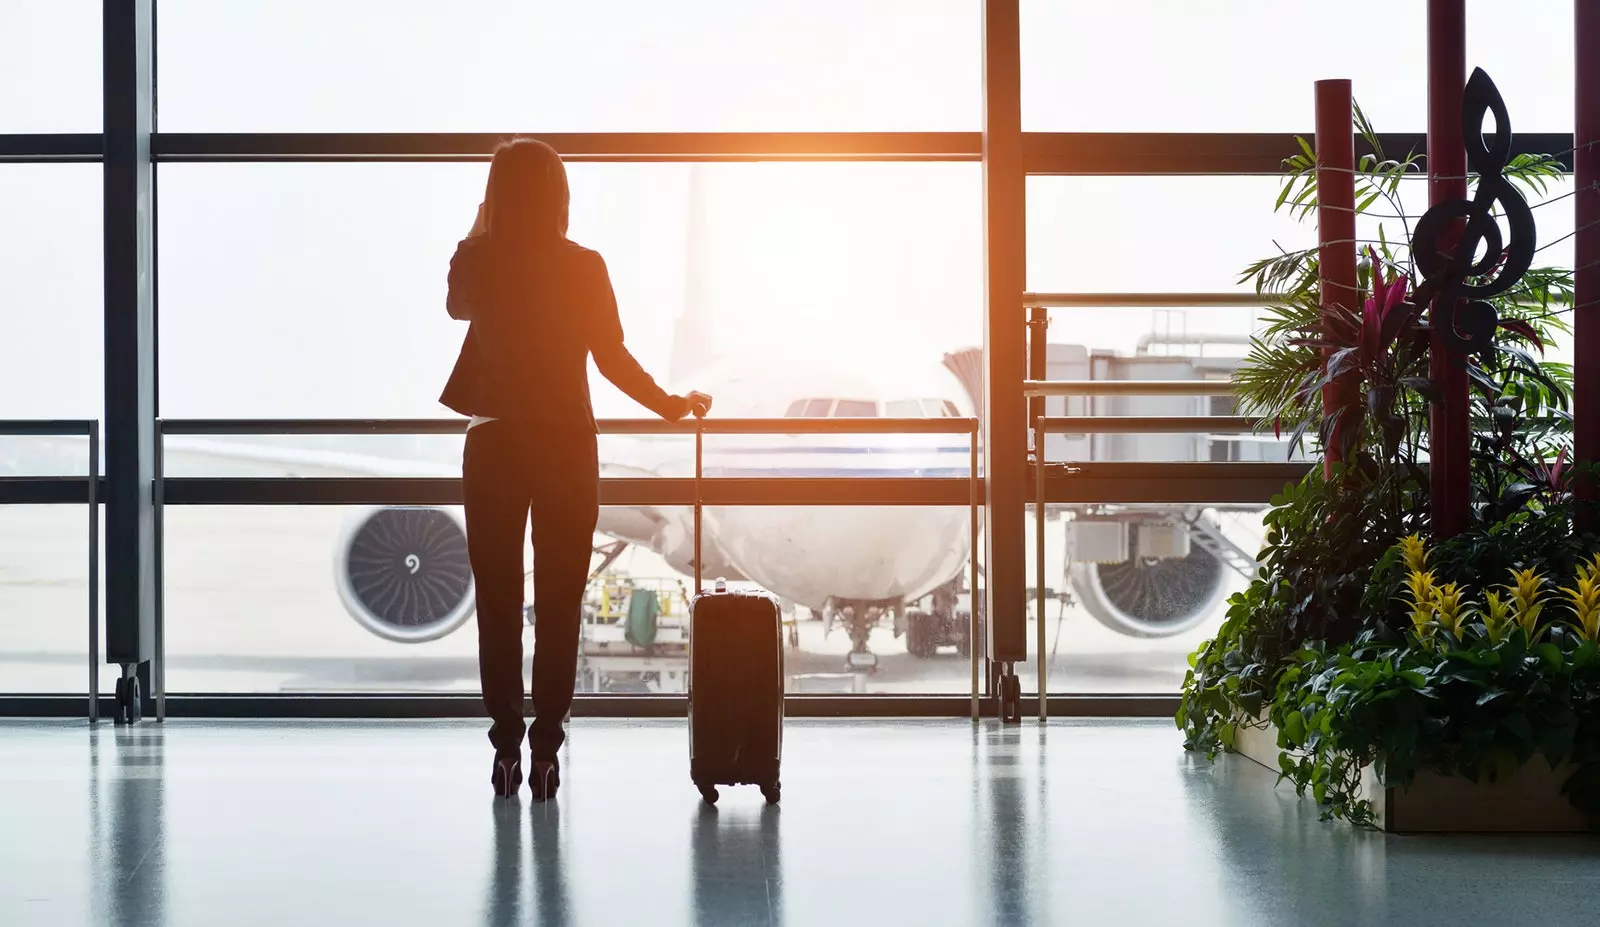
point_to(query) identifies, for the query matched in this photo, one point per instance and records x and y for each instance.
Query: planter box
(1530, 801)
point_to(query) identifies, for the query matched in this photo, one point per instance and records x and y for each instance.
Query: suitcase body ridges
(736, 681)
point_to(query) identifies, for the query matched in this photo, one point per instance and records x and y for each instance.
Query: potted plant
(1370, 650)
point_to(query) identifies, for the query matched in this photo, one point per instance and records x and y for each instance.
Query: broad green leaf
(1294, 728)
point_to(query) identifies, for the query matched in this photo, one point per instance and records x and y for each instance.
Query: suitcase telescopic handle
(699, 460)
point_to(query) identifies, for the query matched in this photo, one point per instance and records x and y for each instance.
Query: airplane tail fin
(967, 365)
(692, 337)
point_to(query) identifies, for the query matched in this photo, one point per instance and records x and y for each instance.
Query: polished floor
(882, 823)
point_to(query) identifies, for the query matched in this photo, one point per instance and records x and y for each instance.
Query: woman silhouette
(538, 306)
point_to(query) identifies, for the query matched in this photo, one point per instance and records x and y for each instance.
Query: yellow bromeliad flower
(1497, 617)
(1587, 569)
(1527, 600)
(1451, 613)
(1414, 553)
(1584, 599)
(1422, 621)
(1420, 584)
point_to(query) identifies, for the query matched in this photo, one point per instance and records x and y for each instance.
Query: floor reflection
(503, 901)
(127, 851)
(737, 866)
(552, 897)
(1005, 819)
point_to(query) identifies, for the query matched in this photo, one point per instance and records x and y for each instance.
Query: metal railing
(642, 491)
(1040, 388)
(1238, 300)
(375, 490)
(48, 490)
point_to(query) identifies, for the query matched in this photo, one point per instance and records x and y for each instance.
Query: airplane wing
(664, 531)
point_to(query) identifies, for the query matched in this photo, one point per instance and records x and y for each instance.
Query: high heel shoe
(507, 775)
(546, 779)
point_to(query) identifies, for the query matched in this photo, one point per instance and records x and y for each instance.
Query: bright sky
(317, 290)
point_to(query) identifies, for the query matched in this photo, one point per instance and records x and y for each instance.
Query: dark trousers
(511, 469)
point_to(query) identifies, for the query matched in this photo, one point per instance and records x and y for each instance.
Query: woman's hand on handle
(696, 404)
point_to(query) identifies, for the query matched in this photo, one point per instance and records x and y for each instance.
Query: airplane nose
(808, 554)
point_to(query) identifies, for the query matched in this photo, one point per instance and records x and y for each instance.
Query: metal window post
(129, 113)
(1005, 441)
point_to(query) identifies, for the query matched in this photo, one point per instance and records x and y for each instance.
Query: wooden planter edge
(1530, 801)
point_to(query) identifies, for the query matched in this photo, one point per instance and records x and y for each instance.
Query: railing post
(1336, 231)
(1447, 180)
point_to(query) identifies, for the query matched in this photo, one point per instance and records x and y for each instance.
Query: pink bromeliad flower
(1382, 318)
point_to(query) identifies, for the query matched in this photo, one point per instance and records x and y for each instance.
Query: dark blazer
(537, 314)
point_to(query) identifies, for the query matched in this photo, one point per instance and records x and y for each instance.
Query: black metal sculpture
(1461, 309)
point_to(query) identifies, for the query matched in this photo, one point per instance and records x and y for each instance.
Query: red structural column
(1336, 225)
(1586, 243)
(1449, 438)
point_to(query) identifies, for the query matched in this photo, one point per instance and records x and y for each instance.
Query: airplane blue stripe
(902, 472)
(813, 449)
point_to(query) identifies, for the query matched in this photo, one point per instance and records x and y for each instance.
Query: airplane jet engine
(1160, 586)
(402, 572)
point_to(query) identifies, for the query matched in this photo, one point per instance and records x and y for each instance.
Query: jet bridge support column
(128, 36)
(1005, 432)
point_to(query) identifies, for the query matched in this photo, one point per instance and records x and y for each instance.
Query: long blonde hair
(527, 197)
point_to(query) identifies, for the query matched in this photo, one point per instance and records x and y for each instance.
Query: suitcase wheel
(708, 793)
(771, 793)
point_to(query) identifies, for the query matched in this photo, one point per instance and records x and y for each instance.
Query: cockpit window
(866, 408)
(855, 408)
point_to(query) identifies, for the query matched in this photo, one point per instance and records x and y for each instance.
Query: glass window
(796, 409)
(1250, 65)
(335, 275)
(1127, 623)
(497, 65)
(818, 408)
(903, 408)
(44, 599)
(50, 65)
(855, 408)
(951, 410)
(1153, 234)
(52, 329)
(254, 604)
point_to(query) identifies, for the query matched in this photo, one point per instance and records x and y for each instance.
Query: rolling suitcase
(735, 680)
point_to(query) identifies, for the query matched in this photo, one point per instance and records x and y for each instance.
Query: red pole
(1586, 243)
(1449, 443)
(1336, 226)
